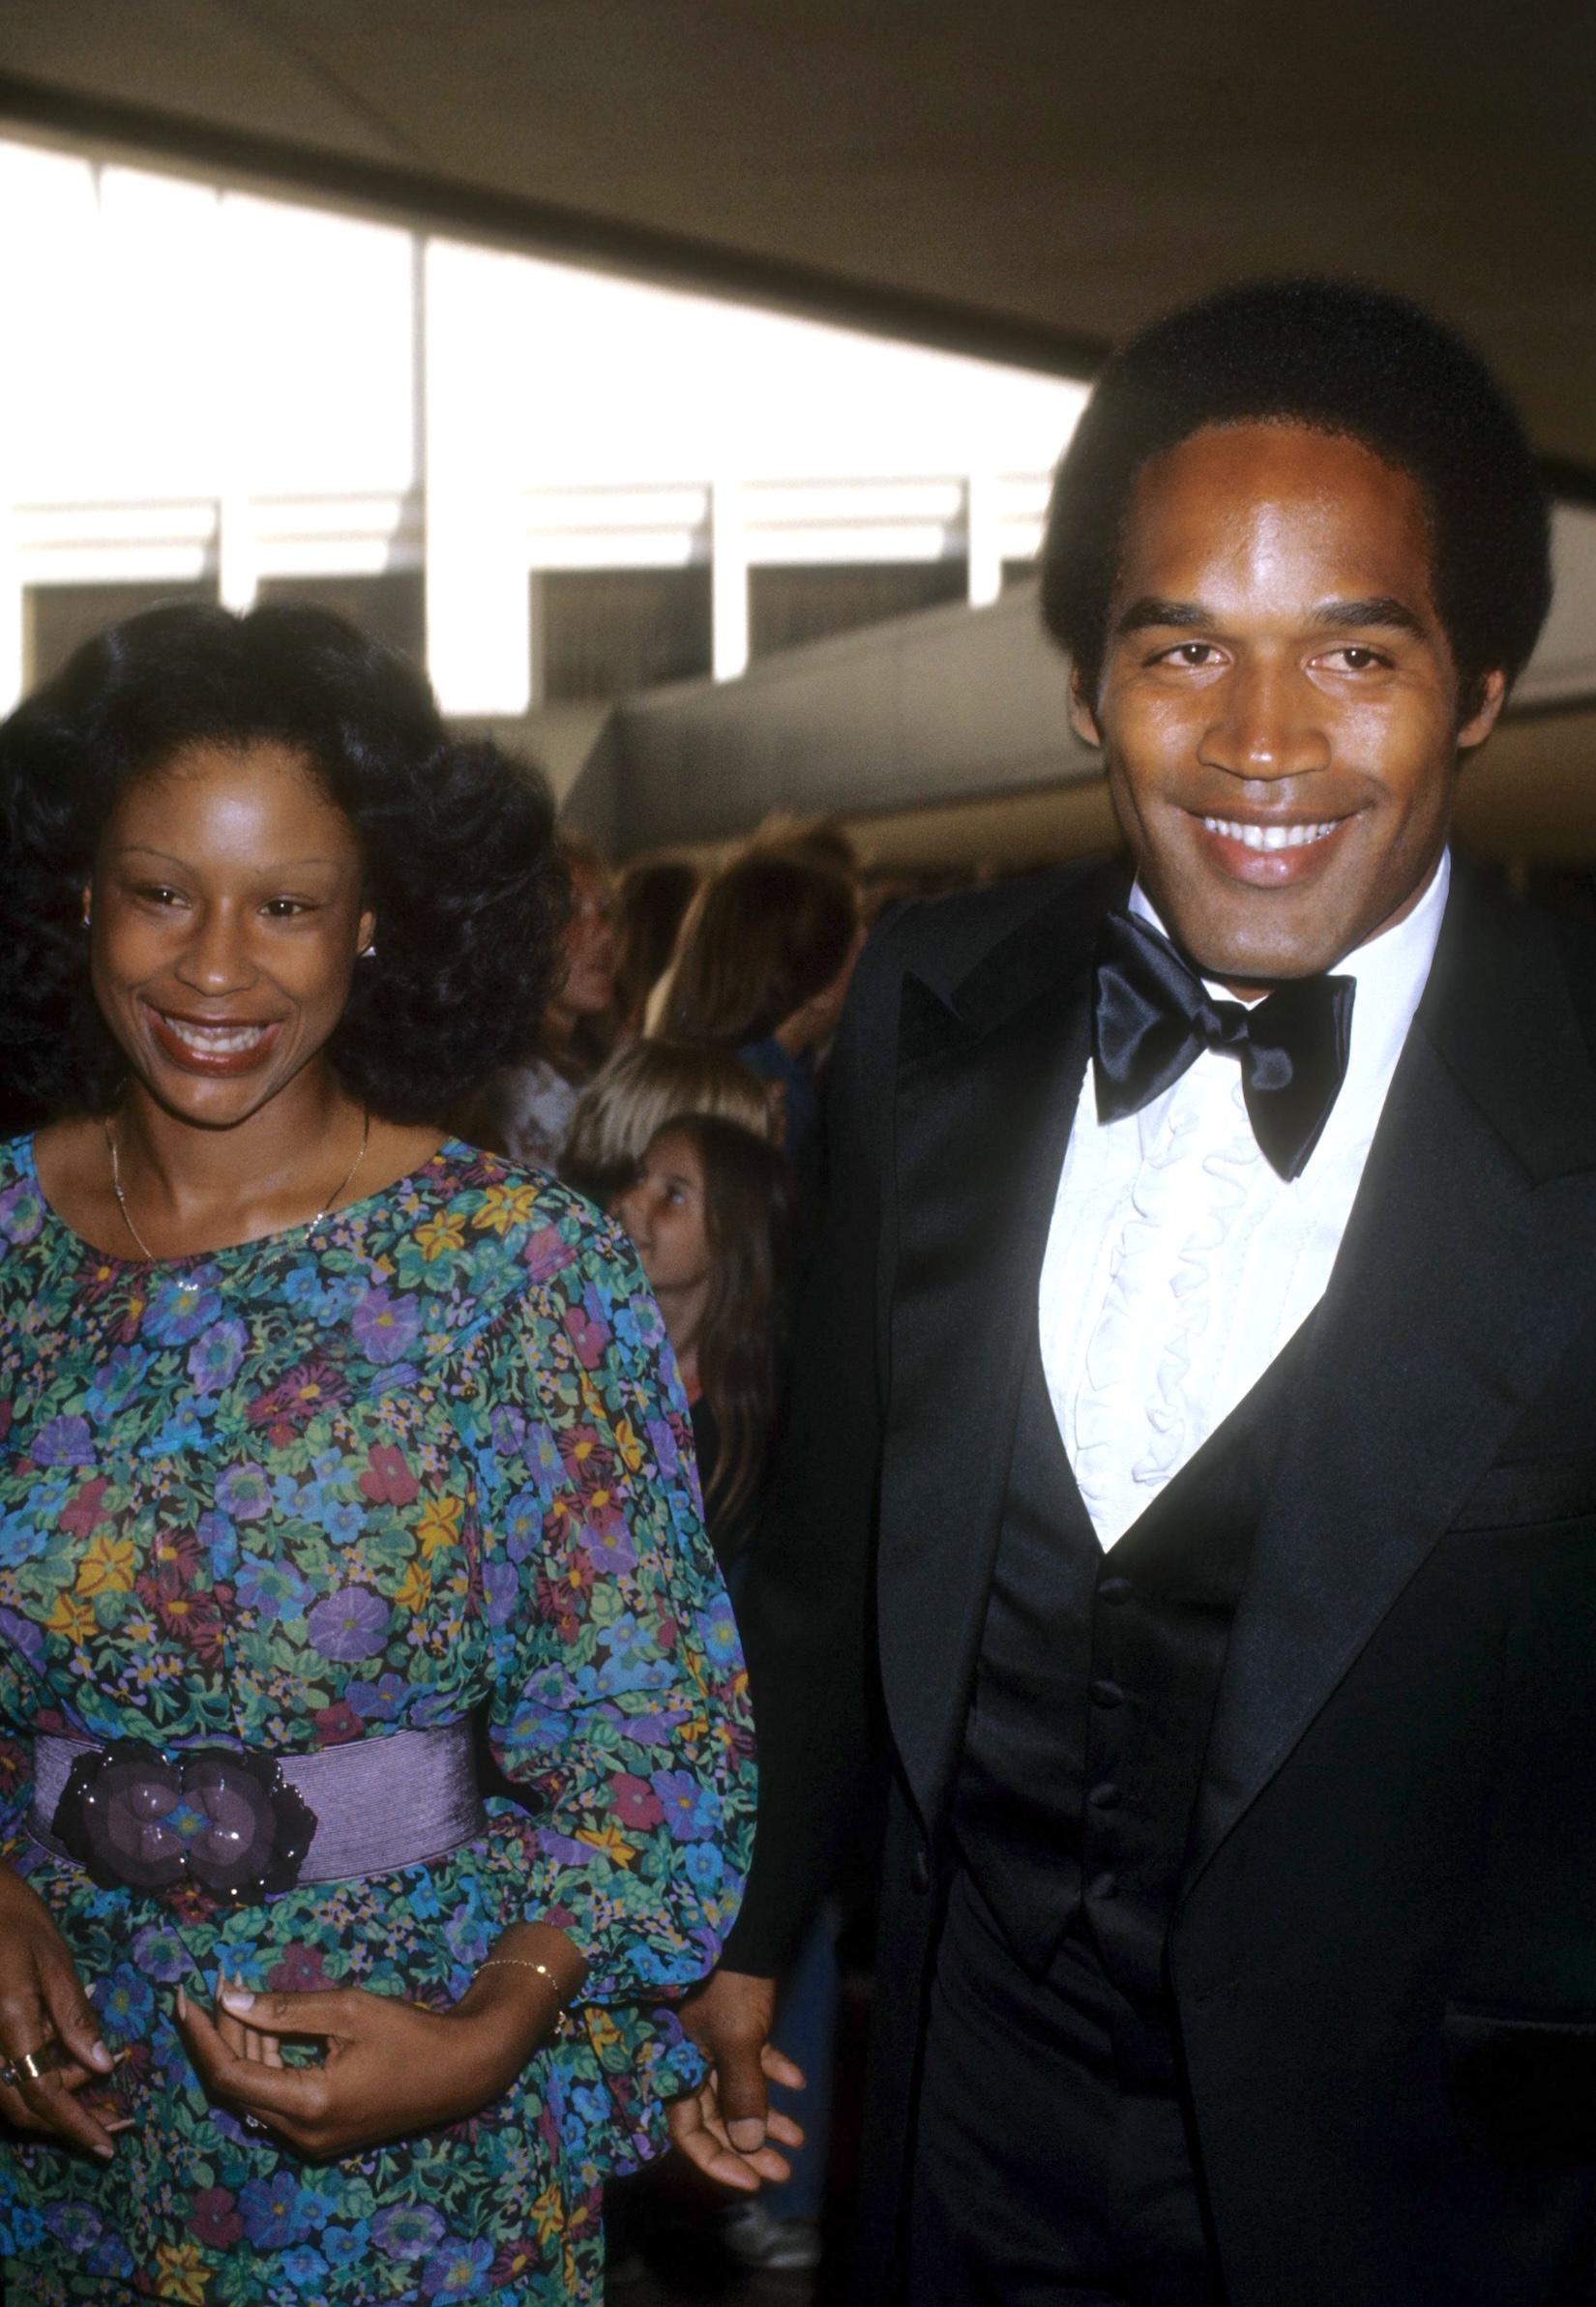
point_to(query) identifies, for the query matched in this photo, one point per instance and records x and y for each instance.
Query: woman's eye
(1198, 654)
(1359, 660)
(157, 893)
(283, 908)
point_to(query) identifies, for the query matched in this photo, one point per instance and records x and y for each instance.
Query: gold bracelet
(562, 2019)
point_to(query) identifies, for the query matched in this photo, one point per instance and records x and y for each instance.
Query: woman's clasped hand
(50, 2045)
(389, 2068)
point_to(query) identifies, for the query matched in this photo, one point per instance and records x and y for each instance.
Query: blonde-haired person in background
(639, 1090)
(762, 967)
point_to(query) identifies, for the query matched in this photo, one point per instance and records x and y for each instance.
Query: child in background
(639, 1089)
(710, 1210)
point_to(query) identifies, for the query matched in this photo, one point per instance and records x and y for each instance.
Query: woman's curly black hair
(462, 872)
(1340, 358)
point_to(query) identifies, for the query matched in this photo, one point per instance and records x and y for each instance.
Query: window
(793, 605)
(58, 619)
(605, 633)
(389, 606)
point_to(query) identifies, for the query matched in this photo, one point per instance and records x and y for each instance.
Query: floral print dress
(426, 1460)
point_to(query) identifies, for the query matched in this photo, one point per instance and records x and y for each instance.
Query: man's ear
(1082, 716)
(1491, 696)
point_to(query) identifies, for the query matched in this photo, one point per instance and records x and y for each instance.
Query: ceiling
(1028, 178)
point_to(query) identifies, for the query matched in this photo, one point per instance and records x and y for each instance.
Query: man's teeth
(213, 1041)
(1271, 836)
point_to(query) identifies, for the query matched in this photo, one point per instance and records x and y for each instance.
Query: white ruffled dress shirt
(1178, 1262)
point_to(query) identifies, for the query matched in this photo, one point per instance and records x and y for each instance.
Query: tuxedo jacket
(1382, 1957)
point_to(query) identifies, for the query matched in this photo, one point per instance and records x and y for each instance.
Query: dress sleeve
(620, 1704)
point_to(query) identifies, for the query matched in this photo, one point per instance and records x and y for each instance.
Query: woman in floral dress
(321, 1440)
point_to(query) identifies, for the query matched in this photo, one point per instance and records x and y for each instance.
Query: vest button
(1113, 1589)
(1106, 1797)
(1102, 1886)
(1106, 1694)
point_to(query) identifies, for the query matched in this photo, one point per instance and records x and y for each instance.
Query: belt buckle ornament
(147, 1818)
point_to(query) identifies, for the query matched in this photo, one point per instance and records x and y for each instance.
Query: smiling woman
(328, 1448)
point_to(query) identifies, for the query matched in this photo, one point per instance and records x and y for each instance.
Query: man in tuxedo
(1198, 1398)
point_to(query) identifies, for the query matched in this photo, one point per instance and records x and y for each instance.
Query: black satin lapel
(982, 1123)
(1460, 1280)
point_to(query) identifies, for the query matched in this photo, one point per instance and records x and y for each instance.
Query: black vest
(1095, 1688)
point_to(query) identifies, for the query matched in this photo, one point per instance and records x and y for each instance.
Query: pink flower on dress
(388, 1480)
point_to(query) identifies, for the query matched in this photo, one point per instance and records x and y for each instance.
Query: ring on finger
(34, 2065)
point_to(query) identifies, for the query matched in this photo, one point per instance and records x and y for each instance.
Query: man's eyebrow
(1379, 609)
(1152, 609)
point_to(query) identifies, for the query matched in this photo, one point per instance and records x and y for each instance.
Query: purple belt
(243, 1826)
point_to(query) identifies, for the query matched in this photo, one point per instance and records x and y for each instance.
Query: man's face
(1278, 703)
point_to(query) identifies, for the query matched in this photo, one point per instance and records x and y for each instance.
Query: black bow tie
(1152, 1016)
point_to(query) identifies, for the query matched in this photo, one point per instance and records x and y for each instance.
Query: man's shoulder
(942, 940)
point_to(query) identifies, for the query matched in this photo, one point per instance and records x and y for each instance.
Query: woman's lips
(230, 1046)
(1269, 854)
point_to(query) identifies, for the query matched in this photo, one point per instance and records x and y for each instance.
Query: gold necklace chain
(332, 1201)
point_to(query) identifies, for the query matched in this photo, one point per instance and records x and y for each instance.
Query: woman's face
(589, 986)
(226, 916)
(663, 1210)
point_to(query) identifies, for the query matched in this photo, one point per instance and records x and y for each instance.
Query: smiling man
(1198, 1395)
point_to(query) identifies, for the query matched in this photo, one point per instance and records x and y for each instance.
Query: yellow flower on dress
(608, 1839)
(439, 1524)
(107, 1565)
(415, 1590)
(445, 1232)
(627, 1444)
(183, 2273)
(503, 1207)
(72, 1616)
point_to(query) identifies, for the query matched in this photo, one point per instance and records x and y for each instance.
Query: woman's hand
(49, 2037)
(390, 2068)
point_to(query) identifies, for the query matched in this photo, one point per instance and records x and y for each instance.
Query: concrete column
(478, 650)
(237, 578)
(984, 541)
(728, 579)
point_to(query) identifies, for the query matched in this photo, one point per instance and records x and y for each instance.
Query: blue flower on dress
(244, 1493)
(351, 1624)
(524, 1524)
(180, 1308)
(275, 2214)
(406, 2230)
(346, 2246)
(341, 1520)
(77, 2225)
(386, 1326)
(63, 1442)
(116, 1382)
(160, 1954)
(689, 1813)
(457, 2268)
(216, 1354)
(503, 1586)
(382, 1701)
(219, 1539)
(304, 2267)
(125, 2001)
(273, 1590)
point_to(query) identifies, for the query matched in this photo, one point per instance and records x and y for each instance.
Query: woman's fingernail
(100, 2058)
(104, 2153)
(182, 2004)
(746, 2134)
(237, 1999)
